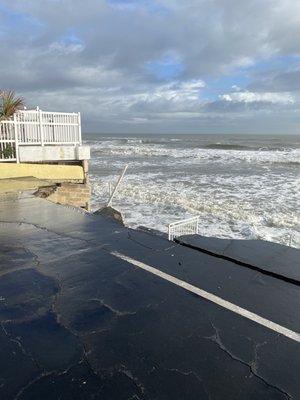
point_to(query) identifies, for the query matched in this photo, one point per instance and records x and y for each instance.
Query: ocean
(243, 187)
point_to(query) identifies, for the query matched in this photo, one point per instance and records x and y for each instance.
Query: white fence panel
(37, 127)
(28, 127)
(7, 142)
(184, 227)
(42, 127)
(61, 128)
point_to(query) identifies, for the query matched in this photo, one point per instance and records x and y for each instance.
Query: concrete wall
(77, 195)
(56, 173)
(53, 153)
(21, 184)
(63, 184)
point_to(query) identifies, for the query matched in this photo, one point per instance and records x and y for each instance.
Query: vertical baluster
(79, 128)
(16, 139)
(67, 129)
(71, 132)
(41, 127)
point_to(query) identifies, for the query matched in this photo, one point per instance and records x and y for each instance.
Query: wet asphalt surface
(79, 323)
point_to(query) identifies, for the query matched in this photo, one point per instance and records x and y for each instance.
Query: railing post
(41, 127)
(169, 232)
(79, 129)
(16, 139)
(117, 185)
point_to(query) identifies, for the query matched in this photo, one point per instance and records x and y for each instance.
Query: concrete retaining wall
(77, 195)
(53, 153)
(57, 173)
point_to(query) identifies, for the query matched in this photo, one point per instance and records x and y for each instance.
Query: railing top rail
(46, 112)
(184, 221)
(11, 121)
(7, 121)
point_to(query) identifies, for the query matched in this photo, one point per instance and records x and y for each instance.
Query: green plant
(8, 151)
(9, 103)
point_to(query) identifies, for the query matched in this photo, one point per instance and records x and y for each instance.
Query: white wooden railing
(7, 142)
(39, 128)
(184, 227)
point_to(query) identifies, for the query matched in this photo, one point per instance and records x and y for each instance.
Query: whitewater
(244, 187)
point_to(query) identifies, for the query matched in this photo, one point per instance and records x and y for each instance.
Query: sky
(157, 66)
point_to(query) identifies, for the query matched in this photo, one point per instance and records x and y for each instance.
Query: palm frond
(9, 103)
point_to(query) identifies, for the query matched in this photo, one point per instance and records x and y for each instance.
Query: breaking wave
(239, 190)
(220, 154)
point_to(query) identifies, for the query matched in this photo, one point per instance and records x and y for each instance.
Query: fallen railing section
(184, 227)
(112, 194)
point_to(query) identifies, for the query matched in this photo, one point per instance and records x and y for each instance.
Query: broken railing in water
(184, 227)
(39, 128)
(112, 194)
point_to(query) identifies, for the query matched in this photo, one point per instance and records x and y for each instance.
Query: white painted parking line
(213, 298)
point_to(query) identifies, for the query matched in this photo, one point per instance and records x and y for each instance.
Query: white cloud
(66, 49)
(178, 91)
(257, 97)
(103, 73)
(193, 85)
(174, 96)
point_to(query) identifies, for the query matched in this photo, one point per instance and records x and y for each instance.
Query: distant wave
(152, 140)
(225, 146)
(232, 146)
(160, 154)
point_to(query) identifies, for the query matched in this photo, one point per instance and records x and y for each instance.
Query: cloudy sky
(157, 66)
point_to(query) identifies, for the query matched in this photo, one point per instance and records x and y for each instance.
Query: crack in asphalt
(217, 340)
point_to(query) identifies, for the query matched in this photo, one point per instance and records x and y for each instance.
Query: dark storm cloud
(100, 57)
